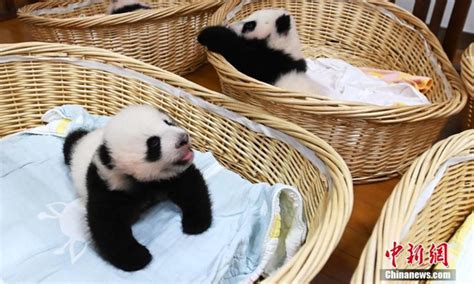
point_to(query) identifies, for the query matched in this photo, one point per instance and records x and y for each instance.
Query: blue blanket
(256, 227)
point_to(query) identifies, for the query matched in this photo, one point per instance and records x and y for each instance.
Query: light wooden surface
(368, 199)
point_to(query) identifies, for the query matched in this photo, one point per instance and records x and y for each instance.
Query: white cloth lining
(429, 188)
(64, 10)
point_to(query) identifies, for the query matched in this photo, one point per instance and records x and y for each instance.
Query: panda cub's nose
(183, 140)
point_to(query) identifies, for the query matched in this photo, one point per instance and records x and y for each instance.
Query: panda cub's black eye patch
(249, 27)
(170, 123)
(153, 152)
(283, 24)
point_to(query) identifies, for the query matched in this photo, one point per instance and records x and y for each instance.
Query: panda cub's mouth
(186, 157)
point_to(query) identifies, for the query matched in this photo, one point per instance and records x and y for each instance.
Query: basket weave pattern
(467, 74)
(451, 202)
(28, 89)
(164, 37)
(376, 142)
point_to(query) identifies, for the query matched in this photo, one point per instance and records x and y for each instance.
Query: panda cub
(264, 46)
(139, 158)
(125, 6)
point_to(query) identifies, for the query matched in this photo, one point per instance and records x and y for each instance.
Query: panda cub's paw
(193, 225)
(135, 258)
(215, 36)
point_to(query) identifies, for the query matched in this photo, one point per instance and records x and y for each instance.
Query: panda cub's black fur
(125, 6)
(252, 57)
(69, 142)
(129, 8)
(118, 177)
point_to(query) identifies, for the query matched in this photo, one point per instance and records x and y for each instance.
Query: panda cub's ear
(105, 158)
(283, 24)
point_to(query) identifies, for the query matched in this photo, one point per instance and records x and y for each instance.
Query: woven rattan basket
(452, 200)
(164, 37)
(35, 77)
(376, 142)
(467, 74)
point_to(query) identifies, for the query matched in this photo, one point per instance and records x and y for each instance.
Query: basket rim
(319, 105)
(103, 20)
(339, 201)
(394, 214)
(467, 69)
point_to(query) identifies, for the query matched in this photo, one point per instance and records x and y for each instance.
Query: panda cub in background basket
(138, 159)
(124, 6)
(265, 46)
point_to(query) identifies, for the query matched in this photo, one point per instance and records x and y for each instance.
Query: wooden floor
(368, 203)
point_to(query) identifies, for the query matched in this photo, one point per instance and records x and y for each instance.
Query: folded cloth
(421, 83)
(256, 227)
(349, 83)
(61, 120)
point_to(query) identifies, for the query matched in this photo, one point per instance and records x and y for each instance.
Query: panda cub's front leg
(110, 217)
(191, 195)
(220, 39)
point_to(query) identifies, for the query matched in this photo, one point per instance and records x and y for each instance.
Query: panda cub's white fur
(265, 28)
(301, 82)
(82, 155)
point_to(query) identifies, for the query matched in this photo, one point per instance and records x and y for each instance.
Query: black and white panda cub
(265, 46)
(125, 6)
(138, 159)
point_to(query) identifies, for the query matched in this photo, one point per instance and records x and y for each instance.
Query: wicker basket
(376, 142)
(467, 74)
(35, 77)
(451, 202)
(164, 37)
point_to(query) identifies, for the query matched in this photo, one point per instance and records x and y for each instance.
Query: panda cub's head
(276, 26)
(146, 144)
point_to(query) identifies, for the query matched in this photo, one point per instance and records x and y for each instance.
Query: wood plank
(14, 31)
(421, 9)
(437, 16)
(455, 26)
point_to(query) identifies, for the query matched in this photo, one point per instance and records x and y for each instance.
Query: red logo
(393, 253)
(437, 254)
(415, 254)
